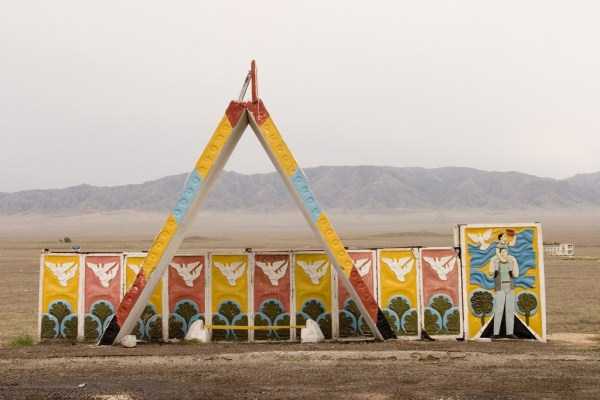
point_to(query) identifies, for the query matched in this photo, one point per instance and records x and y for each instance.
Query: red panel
(277, 286)
(102, 280)
(432, 279)
(187, 281)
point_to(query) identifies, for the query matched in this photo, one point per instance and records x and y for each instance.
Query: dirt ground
(568, 366)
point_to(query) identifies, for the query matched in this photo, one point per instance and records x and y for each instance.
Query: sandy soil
(568, 366)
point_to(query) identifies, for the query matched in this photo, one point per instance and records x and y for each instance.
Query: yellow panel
(475, 322)
(398, 289)
(229, 294)
(230, 280)
(278, 147)
(312, 273)
(335, 244)
(214, 147)
(60, 293)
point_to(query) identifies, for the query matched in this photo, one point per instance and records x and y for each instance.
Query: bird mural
(188, 272)
(135, 268)
(314, 269)
(63, 272)
(232, 271)
(400, 266)
(441, 265)
(104, 272)
(482, 240)
(274, 270)
(363, 265)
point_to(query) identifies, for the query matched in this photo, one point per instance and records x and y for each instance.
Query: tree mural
(432, 321)
(185, 313)
(401, 316)
(452, 321)
(315, 310)
(482, 304)
(351, 322)
(94, 322)
(271, 313)
(527, 305)
(229, 313)
(59, 321)
(441, 316)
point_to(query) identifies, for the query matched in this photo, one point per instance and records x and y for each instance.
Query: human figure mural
(503, 280)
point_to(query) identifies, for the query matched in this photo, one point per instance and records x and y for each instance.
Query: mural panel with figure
(59, 296)
(398, 290)
(150, 324)
(503, 280)
(441, 297)
(229, 295)
(351, 322)
(186, 292)
(313, 287)
(103, 292)
(272, 291)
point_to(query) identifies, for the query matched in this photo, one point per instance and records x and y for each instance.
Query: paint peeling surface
(481, 248)
(59, 296)
(186, 293)
(398, 290)
(149, 326)
(272, 291)
(229, 295)
(102, 293)
(351, 323)
(441, 311)
(313, 278)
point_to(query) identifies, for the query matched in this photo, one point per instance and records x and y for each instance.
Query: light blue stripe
(307, 196)
(191, 188)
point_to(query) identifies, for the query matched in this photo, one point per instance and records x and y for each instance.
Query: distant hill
(345, 187)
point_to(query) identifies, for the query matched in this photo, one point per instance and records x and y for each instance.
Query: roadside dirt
(358, 370)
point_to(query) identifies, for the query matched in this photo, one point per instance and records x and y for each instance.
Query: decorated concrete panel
(441, 296)
(351, 322)
(272, 294)
(503, 280)
(102, 292)
(313, 289)
(398, 289)
(150, 325)
(229, 275)
(59, 296)
(186, 293)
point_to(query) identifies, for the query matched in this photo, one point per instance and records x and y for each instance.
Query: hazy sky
(121, 92)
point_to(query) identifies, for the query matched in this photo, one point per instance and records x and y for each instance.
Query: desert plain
(568, 366)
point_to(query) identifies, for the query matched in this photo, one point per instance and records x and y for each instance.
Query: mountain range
(342, 187)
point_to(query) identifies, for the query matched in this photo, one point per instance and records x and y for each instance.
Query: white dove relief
(231, 271)
(188, 272)
(63, 272)
(442, 265)
(482, 240)
(274, 270)
(363, 265)
(135, 268)
(314, 269)
(104, 272)
(400, 266)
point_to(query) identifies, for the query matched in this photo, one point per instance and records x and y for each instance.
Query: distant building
(559, 249)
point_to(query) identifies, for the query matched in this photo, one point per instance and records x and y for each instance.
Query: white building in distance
(559, 249)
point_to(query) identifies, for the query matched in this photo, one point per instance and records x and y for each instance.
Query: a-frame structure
(238, 116)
